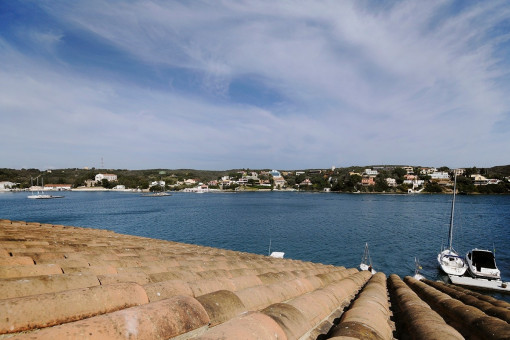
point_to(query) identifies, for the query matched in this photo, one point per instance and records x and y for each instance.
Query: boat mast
(366, 256)
(450, 236)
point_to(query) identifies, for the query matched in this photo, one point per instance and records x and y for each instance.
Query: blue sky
(254, 84)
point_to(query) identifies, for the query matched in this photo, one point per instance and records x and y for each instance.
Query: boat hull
(451, 263)
(40, 197)
(364, 266)
(158, 194)
(481, 284)
(482, 264)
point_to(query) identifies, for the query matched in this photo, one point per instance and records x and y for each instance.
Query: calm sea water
(326, 228)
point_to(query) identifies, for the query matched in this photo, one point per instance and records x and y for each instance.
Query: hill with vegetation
(347, 179)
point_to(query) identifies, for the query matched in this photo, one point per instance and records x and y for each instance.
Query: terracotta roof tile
(166, 289)
(201, 287)
(70, 282)
(140, 278)
(8, 272)
(500, 311)
(468, 319)
(252, 326)
(221, 306)
(43, 310)
(247, 281)
(369, 315)
(414, 316)
(158, 320)
(16, 260)
(290, 319)
(258, 297)
(45, 284)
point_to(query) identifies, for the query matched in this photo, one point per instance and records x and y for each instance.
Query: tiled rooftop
(59, 282)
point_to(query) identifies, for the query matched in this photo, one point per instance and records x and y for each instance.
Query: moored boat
(449, 260)
(366, 261)
(157, 194)
(480, 283)
(417, 268)
(40, 195)
(482, 264)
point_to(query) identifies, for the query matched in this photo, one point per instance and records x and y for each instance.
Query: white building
(414, 182)
(5, 185)
(408, 169)
(157, 183)
(459, 172)
(57, 187)
(275, 173)
(479, 180)
(242, 181)
(198, 189)
(440, 175)
(392, 182)
(109, 177)
(279, 182)
(371, 172)
(427, 171)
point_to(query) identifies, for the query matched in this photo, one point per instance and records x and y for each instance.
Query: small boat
(161, 192)
(277, 254)
(417, 268)
(482, 264)
(40, 196)
(366, 261)
(449, 260)
(157, 194)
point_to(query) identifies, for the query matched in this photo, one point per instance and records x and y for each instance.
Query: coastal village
(375, 179)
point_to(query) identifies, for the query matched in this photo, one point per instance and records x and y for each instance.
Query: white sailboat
(449, 260)
(366, 261)
(417, 268)
(40, 195)
(275, 254)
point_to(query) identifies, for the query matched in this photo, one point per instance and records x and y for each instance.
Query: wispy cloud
(259, 84)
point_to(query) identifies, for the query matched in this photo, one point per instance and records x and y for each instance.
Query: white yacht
(449, 260)
(482, 264)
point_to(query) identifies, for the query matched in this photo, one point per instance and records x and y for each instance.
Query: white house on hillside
(109, 177)
(275, 173)
(371, 172)
(439, 175)
(6, 185)
(392, 182)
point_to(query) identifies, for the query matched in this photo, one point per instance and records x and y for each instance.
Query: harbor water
(328, 228)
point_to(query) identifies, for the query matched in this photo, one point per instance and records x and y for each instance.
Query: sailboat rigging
(40, 195)
(449, 260)
(366, 261)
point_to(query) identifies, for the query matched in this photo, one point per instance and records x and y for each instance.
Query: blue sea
(328, 228)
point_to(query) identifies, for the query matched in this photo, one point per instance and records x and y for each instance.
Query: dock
(481, 284)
